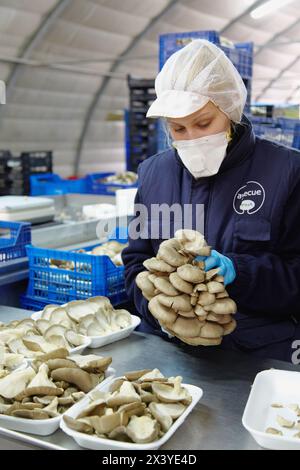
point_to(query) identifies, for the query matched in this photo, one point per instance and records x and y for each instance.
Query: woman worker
(250, 189)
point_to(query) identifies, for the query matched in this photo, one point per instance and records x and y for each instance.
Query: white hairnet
(2, 92)
(196, 74)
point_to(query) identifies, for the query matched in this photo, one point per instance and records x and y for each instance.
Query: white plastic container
(99, 341)
(96, 443)
(273, 387)
(26, 209)
(41, 427)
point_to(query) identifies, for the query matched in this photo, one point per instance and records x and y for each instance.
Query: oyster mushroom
(30, 414)
(190, 327)
(82, 379)
(191, 274)
(78, 309)
(161, 416)
(142, 429)
(103, 424)
(78, 425)
(40, 385)
(54, 364)
(163, 285)
(285, 423)
(180, 284)
(15, 383)
(125, 395)
(274, 431)
(200, 288)
(221, 319)
(222, 307)
(135, 375)
(142, 281)
(161, 312)
(38, 344)
(122, 318)
(171, 393)
(209, 275)
(229, 327)
(153, 375)
(169, 251)
(60, 317)
(51, 409)
(174, 410)
(193, 242)
(42, 325)
(211, 330)
(179, 302)
(158, 265)
(200, 312)
(75, 339)
(214, 287)
(205, 299)
(48, 310)
(190, 314)
(91, 362)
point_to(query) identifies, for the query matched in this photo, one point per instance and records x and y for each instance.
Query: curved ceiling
(66, 61)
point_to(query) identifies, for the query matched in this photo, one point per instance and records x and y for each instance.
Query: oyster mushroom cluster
(31, 338)
(139, 407)
(112, 249)
(188, 302)
(51, 385)
(126, 177)
(92, 317)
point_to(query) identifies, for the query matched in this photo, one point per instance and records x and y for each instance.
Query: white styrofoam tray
(269, 387)
(97, 443)
(41, 427)
(26, 209)
(99, 341)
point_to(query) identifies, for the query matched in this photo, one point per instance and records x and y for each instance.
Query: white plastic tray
(41, 427)
(99, 341)
(96, 443)
(272, 386)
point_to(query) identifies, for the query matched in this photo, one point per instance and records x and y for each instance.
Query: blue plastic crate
(32, 304)
(14, 236)
(241, 54)
(109, 189)
(90, 276)
(52, 184)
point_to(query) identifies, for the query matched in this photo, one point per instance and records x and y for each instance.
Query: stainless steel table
(224, 376)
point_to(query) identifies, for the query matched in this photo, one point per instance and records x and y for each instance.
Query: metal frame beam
(35, 40)
(99, 93)
(278, 76)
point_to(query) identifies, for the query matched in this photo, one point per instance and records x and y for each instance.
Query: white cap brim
(176, 104)
(2, 93)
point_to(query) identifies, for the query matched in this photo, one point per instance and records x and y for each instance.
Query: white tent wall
(58, 102)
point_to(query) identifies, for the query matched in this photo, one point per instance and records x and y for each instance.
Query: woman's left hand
(217, 260)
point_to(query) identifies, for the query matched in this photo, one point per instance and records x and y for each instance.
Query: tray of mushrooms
(139, 411)
(94, 319)
(31, 339)
(33, 399)
(188, 302)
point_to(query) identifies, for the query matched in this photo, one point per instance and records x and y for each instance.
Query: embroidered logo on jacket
(249, 198)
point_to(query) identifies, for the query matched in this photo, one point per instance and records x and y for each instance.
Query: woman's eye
(203, 126)
(179, 130)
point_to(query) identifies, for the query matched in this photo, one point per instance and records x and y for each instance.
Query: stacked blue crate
(241, 56)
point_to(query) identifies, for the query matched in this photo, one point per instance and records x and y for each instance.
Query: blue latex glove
(217, 260)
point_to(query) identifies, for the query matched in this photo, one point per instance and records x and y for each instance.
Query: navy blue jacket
(252, 215)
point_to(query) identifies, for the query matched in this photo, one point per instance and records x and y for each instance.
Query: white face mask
(204, 156)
